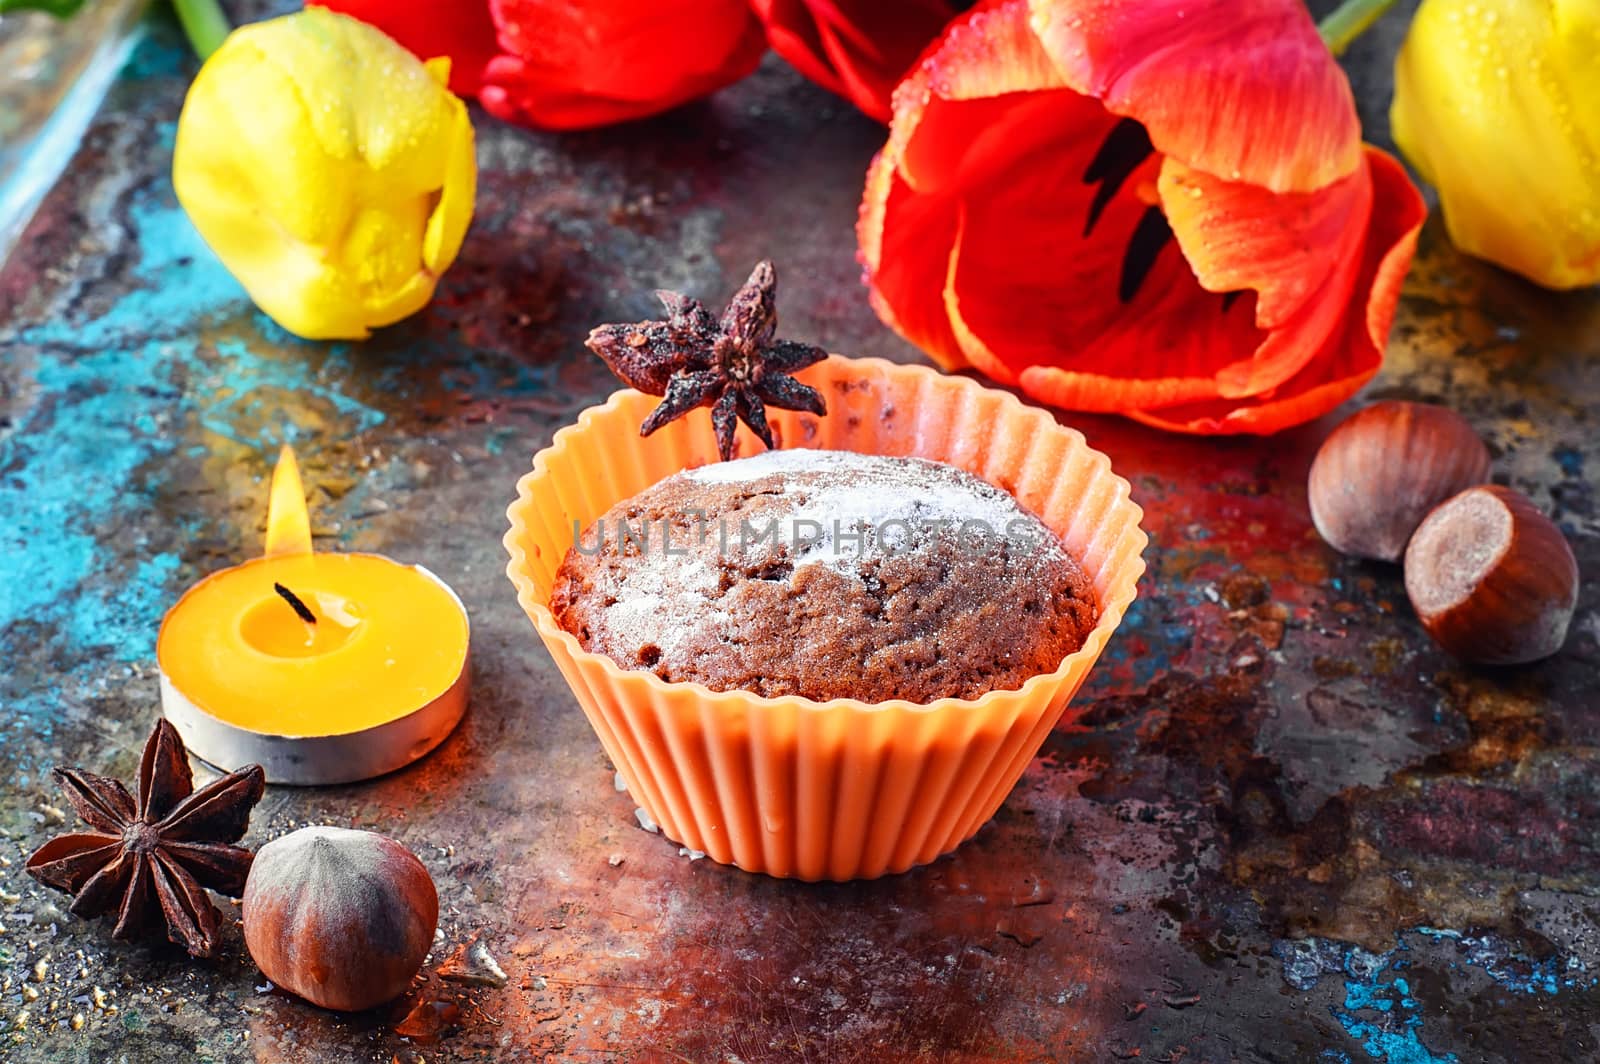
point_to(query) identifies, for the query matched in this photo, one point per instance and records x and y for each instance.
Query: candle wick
(300, 608)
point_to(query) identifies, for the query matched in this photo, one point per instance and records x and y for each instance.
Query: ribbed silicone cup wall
(841, 789)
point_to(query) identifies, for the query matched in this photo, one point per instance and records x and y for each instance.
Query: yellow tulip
(1497, 103)
(330, 170)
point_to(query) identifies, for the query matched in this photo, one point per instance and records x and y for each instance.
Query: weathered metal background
(1288, 829)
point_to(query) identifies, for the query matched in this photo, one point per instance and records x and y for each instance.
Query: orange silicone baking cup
(840, 789)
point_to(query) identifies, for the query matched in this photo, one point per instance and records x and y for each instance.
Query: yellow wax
(388, 639)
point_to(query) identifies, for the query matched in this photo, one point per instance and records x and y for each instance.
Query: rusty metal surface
(1286, 828)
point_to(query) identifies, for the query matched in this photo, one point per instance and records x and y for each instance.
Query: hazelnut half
(1493, 579)
(1378, 474)
(343, 918)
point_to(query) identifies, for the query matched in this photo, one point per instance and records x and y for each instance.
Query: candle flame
(288, 523)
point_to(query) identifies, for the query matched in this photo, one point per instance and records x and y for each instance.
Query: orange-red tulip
(857, 48)
(1160, 209)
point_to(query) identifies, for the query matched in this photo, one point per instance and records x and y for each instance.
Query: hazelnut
(1379, 473)
(1492, 578)
(343, 918)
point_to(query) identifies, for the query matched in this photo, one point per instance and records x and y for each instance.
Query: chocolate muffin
(826, 574)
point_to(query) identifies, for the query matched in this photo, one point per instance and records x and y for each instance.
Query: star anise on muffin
(736, 366)
(151, 861)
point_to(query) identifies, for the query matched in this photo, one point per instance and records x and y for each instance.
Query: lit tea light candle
(322, 668)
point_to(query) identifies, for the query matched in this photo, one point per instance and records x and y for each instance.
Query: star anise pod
(735, 366)
(151, 862)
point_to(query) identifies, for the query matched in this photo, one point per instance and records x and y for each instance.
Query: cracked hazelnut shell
(1383, 468)
(1492, 578)
(342, 918)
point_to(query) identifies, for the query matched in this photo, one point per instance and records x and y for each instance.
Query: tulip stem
(204, 24)
(1349, 21)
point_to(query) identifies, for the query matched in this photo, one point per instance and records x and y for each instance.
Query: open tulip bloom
(1157, 209)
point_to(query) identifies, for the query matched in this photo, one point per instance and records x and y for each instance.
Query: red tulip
(857, 48)
(564, 65)
(1161, 209)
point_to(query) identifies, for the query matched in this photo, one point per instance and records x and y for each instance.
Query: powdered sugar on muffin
(826, 574)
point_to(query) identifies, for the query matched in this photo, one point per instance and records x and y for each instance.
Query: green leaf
(58, 8)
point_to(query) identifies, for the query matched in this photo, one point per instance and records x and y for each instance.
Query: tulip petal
(961, 142)
(905, 245)
(1352, 354)
(1281, 245)
(868, 88)
(1243, 89)
(1300, 252)
(447, 226)
(572, 66)
(856, 48)
(940, 140)
(459, 29)
(989, 53)
(794, 33)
